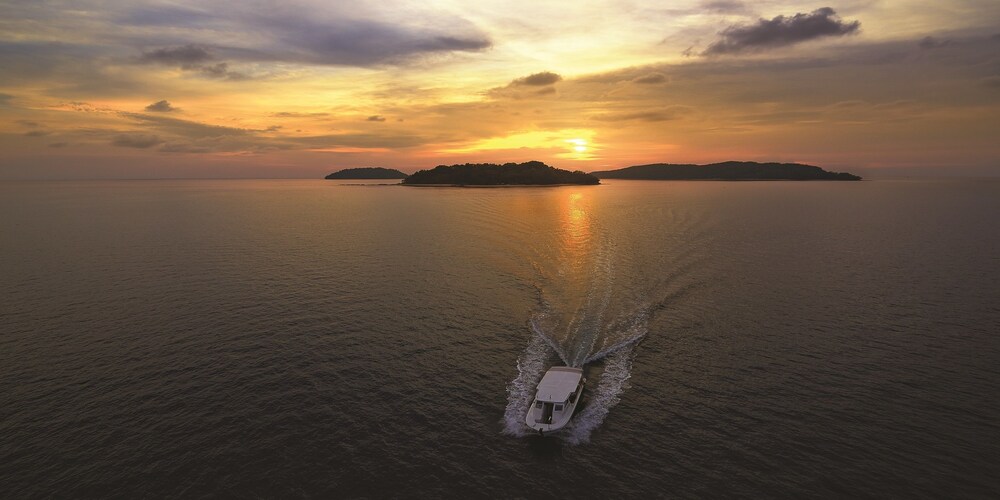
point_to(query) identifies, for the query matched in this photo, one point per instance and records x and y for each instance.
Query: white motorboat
(557, 396)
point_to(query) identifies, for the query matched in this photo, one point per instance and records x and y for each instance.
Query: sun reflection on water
(575, 222)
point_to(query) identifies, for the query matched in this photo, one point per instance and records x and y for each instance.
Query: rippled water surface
(315, 339)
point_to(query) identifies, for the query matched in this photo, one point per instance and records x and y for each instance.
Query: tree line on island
(536, 173)
(367, 173)
(729, 170)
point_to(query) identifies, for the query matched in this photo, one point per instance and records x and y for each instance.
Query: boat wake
(599, 286)
(543, 352)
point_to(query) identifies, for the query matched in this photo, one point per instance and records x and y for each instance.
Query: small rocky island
(730, 170)
(367, 173)
(532, 173)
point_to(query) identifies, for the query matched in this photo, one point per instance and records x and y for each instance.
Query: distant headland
(532, 173)
(730, 170)
(367, 173)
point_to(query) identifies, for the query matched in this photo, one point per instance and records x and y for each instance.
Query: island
(367, 173)
(730, 170)
(531, 173)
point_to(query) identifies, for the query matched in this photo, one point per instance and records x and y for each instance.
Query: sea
(353, 339)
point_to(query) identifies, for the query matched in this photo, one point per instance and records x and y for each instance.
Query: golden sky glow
(298, 89)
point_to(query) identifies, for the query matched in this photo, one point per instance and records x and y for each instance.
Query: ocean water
(285, 339)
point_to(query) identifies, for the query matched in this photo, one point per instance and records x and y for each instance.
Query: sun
(579, 145)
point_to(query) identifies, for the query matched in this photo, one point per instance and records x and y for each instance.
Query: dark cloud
(362, 42)
(537, 79)
(58, 144)
(36, 133)
(929, 42)
(376, 118)
(781, 31)
(186, 55)
(5, 98)
(220, 71)
(138, 141)
(163, 106)
(992, 81)
(537, 84)
(194, 58)
(656, 115)
(29, 123)
(650, 78)
(724, 6)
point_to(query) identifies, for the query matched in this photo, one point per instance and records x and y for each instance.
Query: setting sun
(580, 145)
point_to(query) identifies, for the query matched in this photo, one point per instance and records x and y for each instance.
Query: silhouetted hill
(532, 173)
(730, 170)
(367, 173)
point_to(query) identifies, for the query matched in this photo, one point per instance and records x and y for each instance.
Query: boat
(556, 397)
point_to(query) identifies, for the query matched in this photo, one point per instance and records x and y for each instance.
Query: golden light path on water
(576, 234)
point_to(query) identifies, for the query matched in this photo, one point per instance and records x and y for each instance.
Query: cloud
(992, 81)
(222, 72)
(929, 42)
(36, 133)
(138, 141)
(192, 58)
(186, 128)
(656, 115)
(186, 55)
(650, 78)
(29, 123)
(366, 141)
(58, 144)
(781, 31)
(536, 84)
(376, 118)
(341, 40)
(724, 6)
(184, 148)
(292, 114)
(5, 98)
(163, 106)
(537, 79)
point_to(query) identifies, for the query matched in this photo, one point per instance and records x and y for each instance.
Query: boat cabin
(555, 398)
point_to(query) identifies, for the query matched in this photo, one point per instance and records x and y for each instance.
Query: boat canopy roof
(558, 383)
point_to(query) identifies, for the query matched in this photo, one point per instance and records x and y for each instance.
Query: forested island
(730, 170)
(367, 173)
(532, 173)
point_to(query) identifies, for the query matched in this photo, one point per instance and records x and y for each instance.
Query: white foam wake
(521, 390)
(532, 363)
(614, 380)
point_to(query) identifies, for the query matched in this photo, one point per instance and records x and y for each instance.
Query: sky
(93, 89)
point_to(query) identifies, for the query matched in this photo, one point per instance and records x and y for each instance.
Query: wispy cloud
(650, 78)
(185, 55)
(138, 141)
(654, 115)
